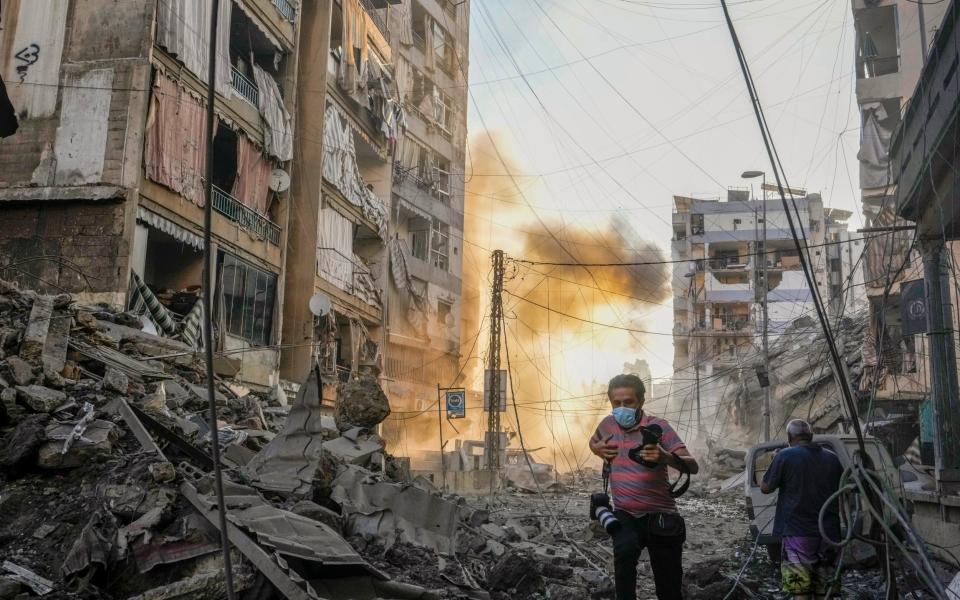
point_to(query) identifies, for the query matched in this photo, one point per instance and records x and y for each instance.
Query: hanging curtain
(253, 176)
(278, 130)
(429, 56)
(874, 154)
(174, 152)
(399, 21)
(335, 248)
(353, 65)
(183, 27)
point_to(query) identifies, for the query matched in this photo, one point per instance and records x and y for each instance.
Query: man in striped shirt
(641, 494)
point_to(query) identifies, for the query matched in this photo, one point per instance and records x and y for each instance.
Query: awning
(260, 27)
(170, 228)
(410, 207)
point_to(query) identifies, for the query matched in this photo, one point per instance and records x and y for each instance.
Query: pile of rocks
(107, 492)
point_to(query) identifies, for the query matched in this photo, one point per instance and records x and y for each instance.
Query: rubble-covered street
(105, 480)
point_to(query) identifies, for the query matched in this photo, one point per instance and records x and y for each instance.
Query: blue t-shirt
(806, 476)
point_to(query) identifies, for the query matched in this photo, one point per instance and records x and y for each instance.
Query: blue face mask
(626, 417)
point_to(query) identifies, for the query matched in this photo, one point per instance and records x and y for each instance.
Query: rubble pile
(106, 479)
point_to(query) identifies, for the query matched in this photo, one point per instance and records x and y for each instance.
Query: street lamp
(762, 256)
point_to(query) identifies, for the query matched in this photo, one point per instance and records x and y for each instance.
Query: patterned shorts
(808, 566)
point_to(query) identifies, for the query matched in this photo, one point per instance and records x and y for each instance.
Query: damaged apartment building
(718, 283)
(908, 93)
(338, 155)
(102, 186)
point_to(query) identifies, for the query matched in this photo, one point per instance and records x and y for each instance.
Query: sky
(607, 108)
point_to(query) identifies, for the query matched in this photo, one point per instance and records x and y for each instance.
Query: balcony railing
(877, 66)
(286, 9)
(245, 217)
(246, 88)
(376, 16)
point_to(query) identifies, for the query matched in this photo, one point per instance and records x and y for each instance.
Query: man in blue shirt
(806, 475)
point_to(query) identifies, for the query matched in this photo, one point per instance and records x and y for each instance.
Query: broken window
(444, 316)
(440, 245)
(878, 43)
(248, 296)
(224, 158)
(696, 224)
(441, 178)
(419, 229)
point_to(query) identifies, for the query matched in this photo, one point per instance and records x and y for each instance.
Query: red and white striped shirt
(634, 488)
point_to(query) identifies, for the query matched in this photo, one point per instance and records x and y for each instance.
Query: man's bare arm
(689, 461)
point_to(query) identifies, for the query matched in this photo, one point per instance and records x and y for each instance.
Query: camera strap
(606, 476)
(678, 489)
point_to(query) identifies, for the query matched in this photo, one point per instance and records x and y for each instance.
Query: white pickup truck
(761, 507)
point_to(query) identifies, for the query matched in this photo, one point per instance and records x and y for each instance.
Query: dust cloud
(561, 353)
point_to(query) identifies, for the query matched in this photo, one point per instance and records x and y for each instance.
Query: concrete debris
(392, 511)
(361, 403)
(39, 398)
(39, 585)
(114, 380)
(20, 370)
(21, 444)
(97, 441)
(355, 446)
(35, 335)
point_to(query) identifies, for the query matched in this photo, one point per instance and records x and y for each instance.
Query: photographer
(643, 498)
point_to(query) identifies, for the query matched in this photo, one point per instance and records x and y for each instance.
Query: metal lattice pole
(493, 364)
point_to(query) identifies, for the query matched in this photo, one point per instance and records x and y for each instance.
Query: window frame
(242, 319)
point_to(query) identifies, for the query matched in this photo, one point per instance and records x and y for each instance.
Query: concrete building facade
(718, 290)
(338, 173)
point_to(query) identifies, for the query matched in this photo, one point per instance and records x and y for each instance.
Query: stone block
(39, 398)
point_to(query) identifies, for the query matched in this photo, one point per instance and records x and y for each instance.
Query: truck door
(761, 508)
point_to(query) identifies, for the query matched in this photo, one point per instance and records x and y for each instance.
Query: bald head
(799, 431)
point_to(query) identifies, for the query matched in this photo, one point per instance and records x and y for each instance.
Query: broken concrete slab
(394, 511)
(40, 585)
(23, 443)
(355, 446)
(35, 335)
(39, 398)
(312, 510)
(97, 441)
(54, 355)
(361, 402)
(290, 461)
(115, 381)
(20, 370)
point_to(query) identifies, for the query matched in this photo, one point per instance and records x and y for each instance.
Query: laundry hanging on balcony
(399, 20)
(340, 168)
(355, 50)
(415, 299)
(278, 129)
(175, 155)
(874, 154)
(183, 28)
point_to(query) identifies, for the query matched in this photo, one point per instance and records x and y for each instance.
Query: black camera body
(600, 511)
(651, 436)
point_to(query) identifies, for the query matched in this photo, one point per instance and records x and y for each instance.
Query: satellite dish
(279, 180)
(320, 305)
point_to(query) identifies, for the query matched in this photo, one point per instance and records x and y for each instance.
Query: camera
(600, 511)
(651, 436)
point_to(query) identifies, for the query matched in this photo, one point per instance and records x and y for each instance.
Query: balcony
(376, 16)
(246, 88)
(923, 150)
(247, 218)
(286, 9)
(729, 263)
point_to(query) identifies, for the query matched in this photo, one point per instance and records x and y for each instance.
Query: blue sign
(456, 404)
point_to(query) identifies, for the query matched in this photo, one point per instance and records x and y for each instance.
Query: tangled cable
(863, 492)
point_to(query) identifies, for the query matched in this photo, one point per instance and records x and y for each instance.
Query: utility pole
(443, 464)
(493, 364)
(696, 373)
(762, 257)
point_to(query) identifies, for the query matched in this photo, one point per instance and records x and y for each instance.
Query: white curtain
(183, 27)
(874, 152)
(335, 249)
(278, 133)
